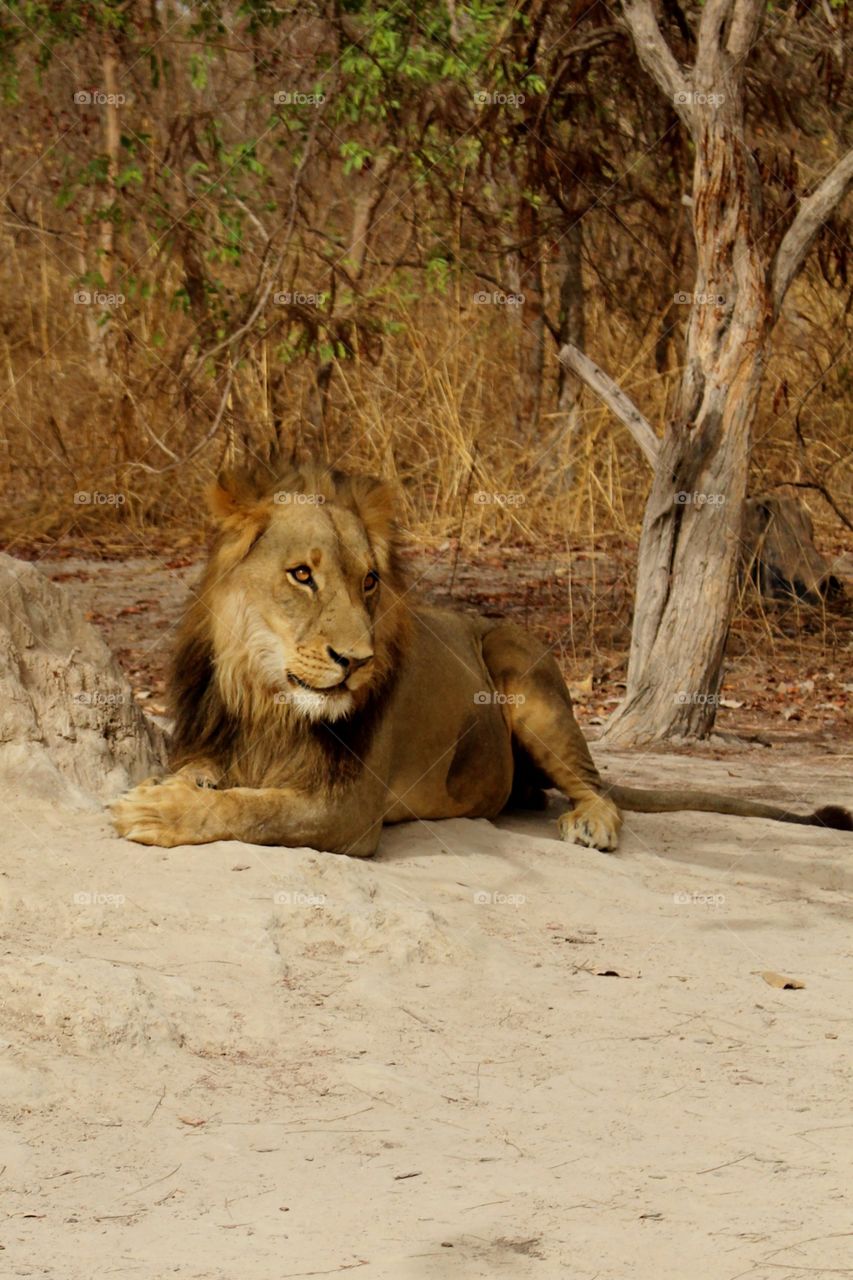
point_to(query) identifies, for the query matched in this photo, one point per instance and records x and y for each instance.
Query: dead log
(779, 554)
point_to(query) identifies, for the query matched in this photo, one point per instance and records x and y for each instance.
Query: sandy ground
(241, 1063)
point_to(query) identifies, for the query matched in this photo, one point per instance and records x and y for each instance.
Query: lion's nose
(349, 661)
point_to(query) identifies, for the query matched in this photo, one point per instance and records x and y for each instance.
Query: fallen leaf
(581, 688)
(779, 980)
(731, 704)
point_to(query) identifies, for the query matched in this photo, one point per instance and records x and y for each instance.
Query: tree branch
(797, 240)
(708, 69)
(657, 58)
(743, 30)
(615, 399)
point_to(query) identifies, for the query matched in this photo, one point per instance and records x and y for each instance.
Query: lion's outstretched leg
(178, 810)
(542, 720)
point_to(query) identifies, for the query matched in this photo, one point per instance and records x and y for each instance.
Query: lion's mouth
(303, 684)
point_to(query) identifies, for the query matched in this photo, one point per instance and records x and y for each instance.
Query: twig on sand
(714, 1167)
(156, 1108)
(146, 1185)
(346, 1266)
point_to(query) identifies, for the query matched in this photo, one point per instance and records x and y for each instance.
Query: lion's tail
(639, 800)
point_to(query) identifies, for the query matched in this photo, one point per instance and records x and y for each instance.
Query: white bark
(657, 57)
(615, 399)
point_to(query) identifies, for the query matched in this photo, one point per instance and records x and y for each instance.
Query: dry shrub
(98, 410)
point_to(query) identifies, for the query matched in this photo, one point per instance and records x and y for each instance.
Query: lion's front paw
(593, 823)
(165, 813)
(201, 773)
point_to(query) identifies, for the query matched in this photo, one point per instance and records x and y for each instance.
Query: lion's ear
(220, 501)
(243, 515)
(239, 491)
(376, 501)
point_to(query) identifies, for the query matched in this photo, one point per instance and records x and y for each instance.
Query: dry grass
(435, 413)
(99, 410)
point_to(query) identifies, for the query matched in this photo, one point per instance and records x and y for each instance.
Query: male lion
(313, 702)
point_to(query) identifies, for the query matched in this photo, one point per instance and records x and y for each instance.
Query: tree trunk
(572, 327)
(691, 538)
(112, 147)
(372, 187)
(692, 530)
(561, 427)
(531, 339)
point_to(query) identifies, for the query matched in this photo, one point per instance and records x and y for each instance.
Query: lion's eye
(371, 582)
(302, 574)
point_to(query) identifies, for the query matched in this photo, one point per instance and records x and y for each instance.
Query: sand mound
(69, 727)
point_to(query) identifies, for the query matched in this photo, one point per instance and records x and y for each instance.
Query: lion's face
(294, 619)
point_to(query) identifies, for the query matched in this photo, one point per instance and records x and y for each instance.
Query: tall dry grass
(92, 405)
(102, 413)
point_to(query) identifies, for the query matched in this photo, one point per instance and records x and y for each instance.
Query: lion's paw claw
(157, 812)
(595, 826)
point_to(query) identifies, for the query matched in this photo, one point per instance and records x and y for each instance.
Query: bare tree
(691, 537)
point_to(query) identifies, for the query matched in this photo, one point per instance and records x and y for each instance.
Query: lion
(314, 701)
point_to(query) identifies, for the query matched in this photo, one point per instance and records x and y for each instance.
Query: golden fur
(314, 701)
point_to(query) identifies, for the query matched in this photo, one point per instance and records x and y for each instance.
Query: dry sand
(241, 1063)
